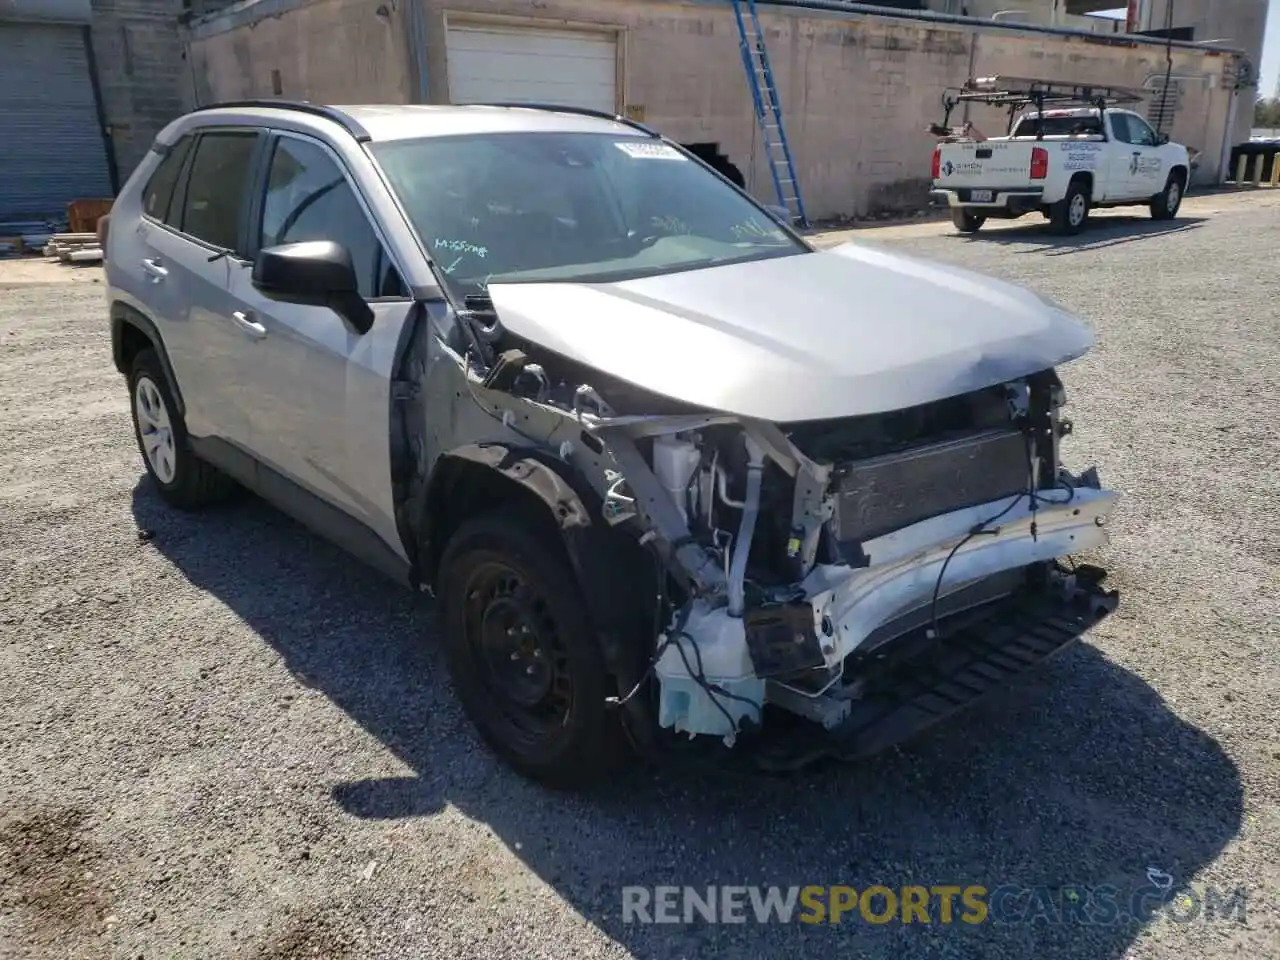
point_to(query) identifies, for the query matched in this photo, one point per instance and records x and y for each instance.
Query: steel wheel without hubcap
(527, 663)
(155, 429)
(515, 642)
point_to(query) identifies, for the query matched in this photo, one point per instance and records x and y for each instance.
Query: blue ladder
(755, 59)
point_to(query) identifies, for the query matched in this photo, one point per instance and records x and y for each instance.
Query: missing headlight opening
(863, 573)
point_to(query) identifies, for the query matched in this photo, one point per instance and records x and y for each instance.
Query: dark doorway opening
(710, 153)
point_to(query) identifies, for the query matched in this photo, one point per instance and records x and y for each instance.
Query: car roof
(384, 122)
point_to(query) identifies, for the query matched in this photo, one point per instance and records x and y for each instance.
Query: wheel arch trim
(535, 472)
(124, 316)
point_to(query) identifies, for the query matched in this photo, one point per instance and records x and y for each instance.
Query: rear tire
(1069, 215)
(183, 479)
(524, 659)
(1164, 206)
(967, 222)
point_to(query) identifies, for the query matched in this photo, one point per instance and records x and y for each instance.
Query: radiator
(885, 493)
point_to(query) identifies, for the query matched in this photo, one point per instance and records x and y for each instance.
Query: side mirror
(315, 273)
(1162, 139)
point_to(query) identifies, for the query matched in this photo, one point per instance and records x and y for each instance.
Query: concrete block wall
(142, 72)
(331, 51)
(858, 91)
(864, 91)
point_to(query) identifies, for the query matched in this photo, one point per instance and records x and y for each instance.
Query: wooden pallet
(83, 215)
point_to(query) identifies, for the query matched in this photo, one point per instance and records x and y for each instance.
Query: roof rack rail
(581, 111)
(1015, 92)
(344, 120)
(1011, 90)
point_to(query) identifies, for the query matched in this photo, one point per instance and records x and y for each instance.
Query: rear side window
(158, 196)
(1059, 127)
(218, 187)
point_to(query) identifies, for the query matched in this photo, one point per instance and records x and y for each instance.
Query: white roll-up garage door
(531, 65)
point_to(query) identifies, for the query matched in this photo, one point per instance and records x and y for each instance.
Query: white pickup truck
(1061, 163)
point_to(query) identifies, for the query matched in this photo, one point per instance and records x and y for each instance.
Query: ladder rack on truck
(1016, 93)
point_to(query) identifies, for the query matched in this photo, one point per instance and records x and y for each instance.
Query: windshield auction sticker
(650, 151)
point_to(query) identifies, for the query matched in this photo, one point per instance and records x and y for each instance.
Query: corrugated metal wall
(51, 145)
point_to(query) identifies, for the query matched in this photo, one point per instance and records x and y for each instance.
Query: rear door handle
(155, 269)
(249, 325)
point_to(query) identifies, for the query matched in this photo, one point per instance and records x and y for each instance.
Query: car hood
(842, 332)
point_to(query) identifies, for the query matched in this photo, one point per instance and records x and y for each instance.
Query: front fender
(537, 472)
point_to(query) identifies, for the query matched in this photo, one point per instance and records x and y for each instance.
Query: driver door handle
(154, 269)
(246, 322)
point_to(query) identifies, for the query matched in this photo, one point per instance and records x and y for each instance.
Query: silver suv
(669, 470)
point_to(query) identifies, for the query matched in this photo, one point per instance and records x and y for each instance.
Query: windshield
(571, 207)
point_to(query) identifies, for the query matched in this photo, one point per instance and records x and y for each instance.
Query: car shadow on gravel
(1101, 232)
(1073, 799)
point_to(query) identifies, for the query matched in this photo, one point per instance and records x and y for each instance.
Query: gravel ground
(228, 740)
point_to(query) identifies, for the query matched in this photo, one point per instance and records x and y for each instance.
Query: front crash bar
(907, 566)
(919, 681)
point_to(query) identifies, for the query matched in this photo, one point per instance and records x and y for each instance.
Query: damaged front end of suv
(672, 470)
(868, 570)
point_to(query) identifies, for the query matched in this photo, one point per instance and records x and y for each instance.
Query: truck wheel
(183, 479)
(524, 660)
(1069, 215)
(967, 222)
(1166, 203)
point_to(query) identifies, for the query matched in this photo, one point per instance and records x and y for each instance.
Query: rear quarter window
(1059, 127)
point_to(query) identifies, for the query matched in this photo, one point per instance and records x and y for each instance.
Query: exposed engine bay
(793, 555)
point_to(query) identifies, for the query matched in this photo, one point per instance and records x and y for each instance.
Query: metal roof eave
(847, 8)
(250, 11)
(46, 11)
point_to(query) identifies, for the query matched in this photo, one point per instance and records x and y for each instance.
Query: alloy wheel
(1077, 209)
(155, 428)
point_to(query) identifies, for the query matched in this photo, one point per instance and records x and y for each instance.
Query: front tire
(1069, 215)
(183, 479)
(967, 222)
(1166, 203)
(524, 659)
